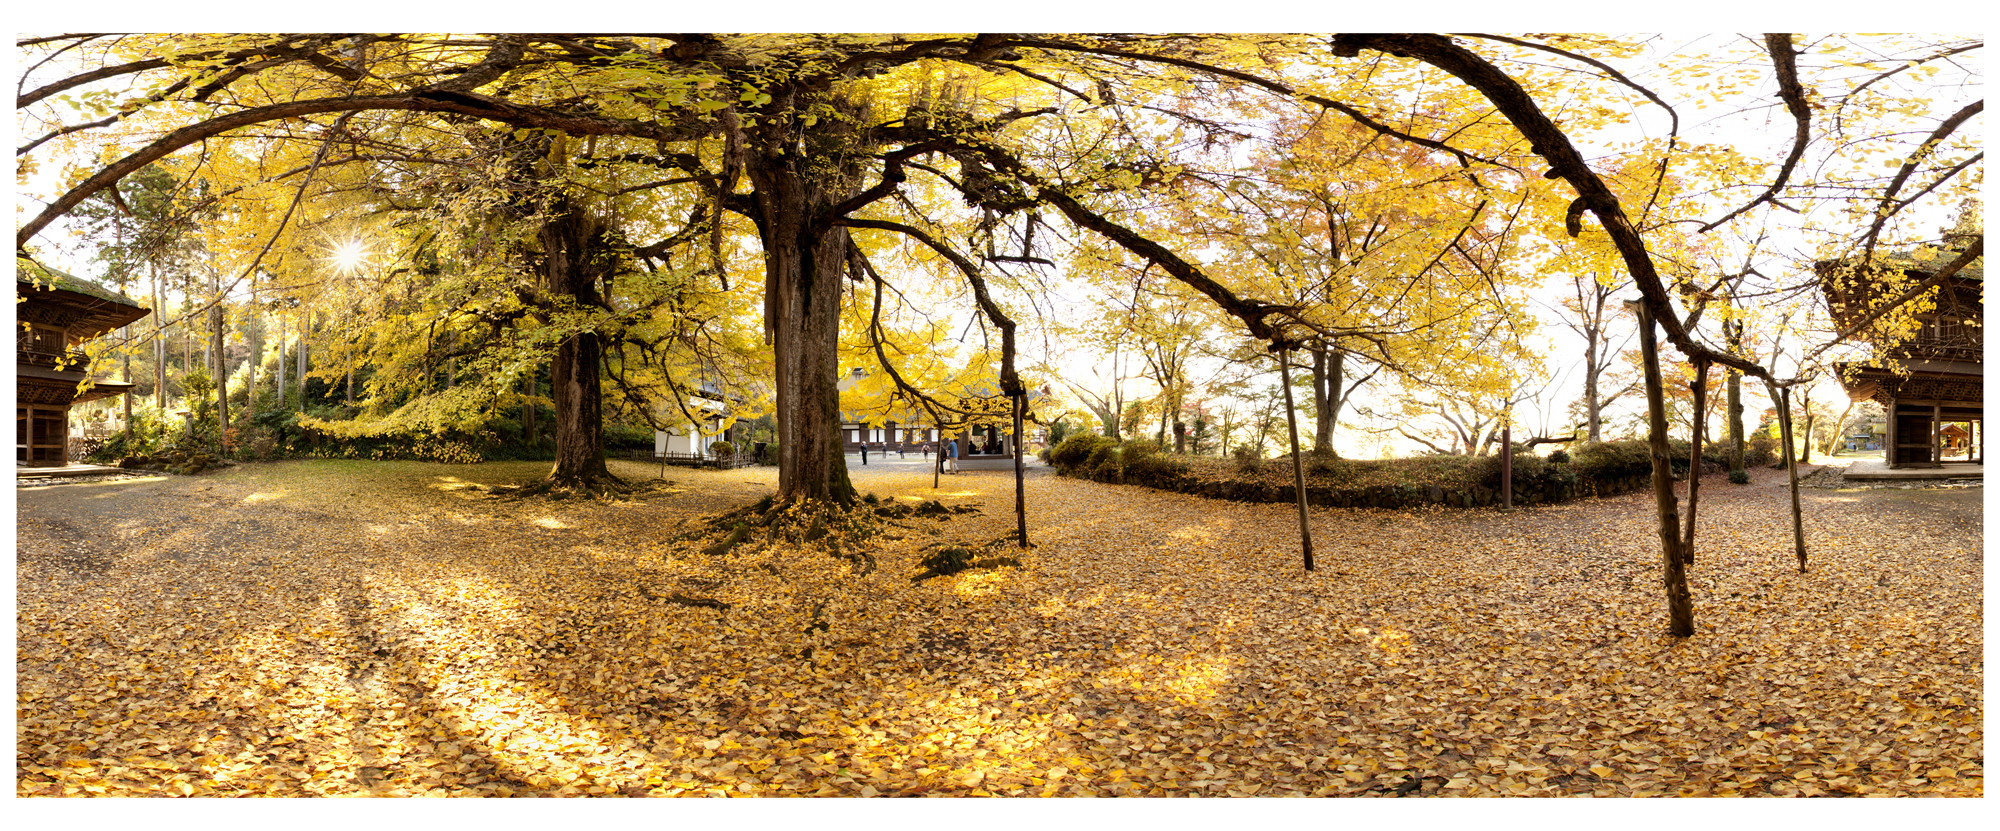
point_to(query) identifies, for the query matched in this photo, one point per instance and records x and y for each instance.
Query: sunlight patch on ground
(982, 584)
(265, 496)
(550, 523)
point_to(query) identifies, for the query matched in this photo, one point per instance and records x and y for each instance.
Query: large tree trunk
(1329, 373)
(803, 274)
(1680, 604)
(571, 265)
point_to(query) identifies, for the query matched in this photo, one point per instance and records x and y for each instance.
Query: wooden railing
(66, 361)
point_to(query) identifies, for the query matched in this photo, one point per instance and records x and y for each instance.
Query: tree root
(687, 600)
(946, 559)
(722, 547)
(586, 486)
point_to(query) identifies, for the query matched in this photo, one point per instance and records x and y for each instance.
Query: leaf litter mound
(326, 628)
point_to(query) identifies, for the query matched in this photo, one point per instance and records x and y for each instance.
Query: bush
(1248, 460)
(1612, 460)
(1076, 450)
(1760, 449)
(1155, 470)
(1320, 464)
(1528, 471)
(722, 449)
(1739, 477)
(1103, 460)
(627, 437)
(1559, 457)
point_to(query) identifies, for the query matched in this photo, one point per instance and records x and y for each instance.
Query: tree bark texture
(1700, 391)
(1329, 368)
(1784, 398)
(804, 263)
(1298, 464)
(1680, 604)
(282, 403)
(159, 346)
(572, 263)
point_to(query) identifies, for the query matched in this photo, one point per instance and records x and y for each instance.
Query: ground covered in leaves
(353, 628)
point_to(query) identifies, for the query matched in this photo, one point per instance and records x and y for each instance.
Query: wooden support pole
(1507, 468)
(1298, 464)
(1680, 603)
(1020, 472)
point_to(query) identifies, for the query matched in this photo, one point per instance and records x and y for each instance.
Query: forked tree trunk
(1680, 604)
(1784, 399)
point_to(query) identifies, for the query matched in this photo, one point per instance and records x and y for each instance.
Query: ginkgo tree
(998, 150)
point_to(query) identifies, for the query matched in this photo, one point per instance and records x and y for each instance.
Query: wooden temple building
(1933, 396)
(56, 314)
(989, 435)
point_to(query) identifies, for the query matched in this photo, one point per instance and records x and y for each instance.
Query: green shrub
(1760, 449)
(1155, 470)
(627, 437)
(721, 449)
(1076, 450)
(1528, 471)
(1103, 459)
(1132, 450)
(1559, 457)
(1739, 477)
(1612, 460)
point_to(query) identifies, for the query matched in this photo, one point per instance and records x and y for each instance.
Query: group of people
(947, 460)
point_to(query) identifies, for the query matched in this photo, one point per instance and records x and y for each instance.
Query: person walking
(951, 456)
(864, 454)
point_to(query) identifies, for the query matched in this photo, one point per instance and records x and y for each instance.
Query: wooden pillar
(1937, 434)
(1889, 436)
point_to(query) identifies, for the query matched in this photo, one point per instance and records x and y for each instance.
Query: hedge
(1592, 469)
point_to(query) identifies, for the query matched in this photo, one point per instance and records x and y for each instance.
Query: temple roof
(97, 309)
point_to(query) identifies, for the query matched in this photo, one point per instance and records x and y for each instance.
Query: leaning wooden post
(1680, 605)
(1792, 470)
(1020, 471)
(1298, 465)
(1507, 467)
(1694, 455)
